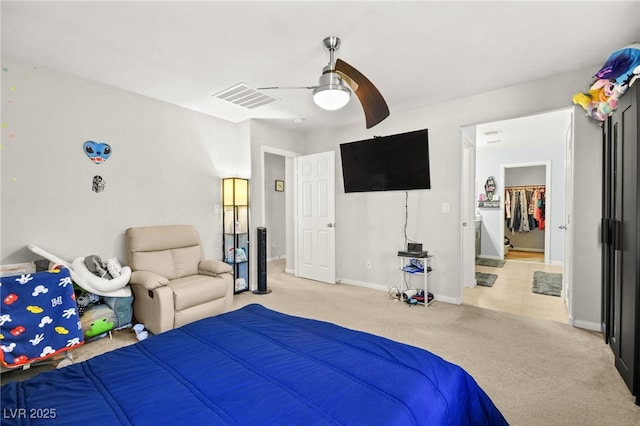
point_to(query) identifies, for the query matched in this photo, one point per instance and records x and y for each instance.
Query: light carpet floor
(536, 372)
(512, 293)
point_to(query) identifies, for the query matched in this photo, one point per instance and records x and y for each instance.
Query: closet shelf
(489, 204)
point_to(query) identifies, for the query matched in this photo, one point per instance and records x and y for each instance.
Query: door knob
(331, 225)
(562, 227)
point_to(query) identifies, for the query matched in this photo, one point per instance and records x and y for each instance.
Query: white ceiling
(417, 53)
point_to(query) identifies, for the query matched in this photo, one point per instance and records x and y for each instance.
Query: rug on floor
(485, 280)
(495, 263)
(547, 283)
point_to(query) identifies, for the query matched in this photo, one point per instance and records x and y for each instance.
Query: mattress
(255, 366)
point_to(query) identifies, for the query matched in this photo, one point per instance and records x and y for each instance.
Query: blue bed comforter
(255, 366)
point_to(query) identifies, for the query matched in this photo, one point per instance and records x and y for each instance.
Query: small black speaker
(262, 261)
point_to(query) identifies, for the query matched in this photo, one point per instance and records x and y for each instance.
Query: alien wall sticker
(97, 152)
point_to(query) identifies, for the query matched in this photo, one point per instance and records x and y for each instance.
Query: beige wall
(371, 224)
(165, 167)
(167, 163)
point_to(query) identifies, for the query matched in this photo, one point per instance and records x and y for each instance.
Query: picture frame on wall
(279, 185)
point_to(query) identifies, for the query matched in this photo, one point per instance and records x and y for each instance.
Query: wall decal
(98, 184)
(96, 151)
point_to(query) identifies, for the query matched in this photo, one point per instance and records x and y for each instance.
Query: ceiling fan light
(331, 97)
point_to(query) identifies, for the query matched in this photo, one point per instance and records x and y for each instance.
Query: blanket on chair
(38, 317)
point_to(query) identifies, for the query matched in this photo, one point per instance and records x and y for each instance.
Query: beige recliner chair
(171, 282)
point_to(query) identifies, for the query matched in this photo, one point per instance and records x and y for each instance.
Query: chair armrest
(149, 280)
(213, 267)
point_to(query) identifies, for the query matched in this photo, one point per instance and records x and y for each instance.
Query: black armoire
(621, 238)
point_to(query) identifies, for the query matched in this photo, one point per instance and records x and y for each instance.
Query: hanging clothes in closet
(524, 208)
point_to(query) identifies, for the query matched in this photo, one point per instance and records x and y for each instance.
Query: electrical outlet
(368, 264)
(273, 244)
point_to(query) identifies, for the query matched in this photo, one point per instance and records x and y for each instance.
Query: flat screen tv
(387, 163)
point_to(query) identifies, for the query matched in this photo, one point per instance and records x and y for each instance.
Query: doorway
(297, 198)
(496, 149)
(277, 207)
(530, 185)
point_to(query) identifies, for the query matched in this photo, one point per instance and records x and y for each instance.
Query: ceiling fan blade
(285, 87)
(374, 106)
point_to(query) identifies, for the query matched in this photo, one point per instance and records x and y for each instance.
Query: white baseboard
(362, 284)
(485, 256)
(448, 299)
(445, 299)
(587, 325)
(273, 259)
(534, 250)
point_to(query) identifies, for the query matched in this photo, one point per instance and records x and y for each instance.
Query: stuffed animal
(601, 100)
(596, 110)
(99, 327)
(617, 74)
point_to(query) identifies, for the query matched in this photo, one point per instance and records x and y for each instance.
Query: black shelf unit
(235, 221)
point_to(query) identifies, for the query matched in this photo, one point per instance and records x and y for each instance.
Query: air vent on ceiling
(245, 96)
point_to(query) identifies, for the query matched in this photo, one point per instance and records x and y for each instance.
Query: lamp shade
(235, 191)
(331, 94)
(331, 98)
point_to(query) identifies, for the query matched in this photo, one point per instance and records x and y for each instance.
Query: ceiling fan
(331, 93)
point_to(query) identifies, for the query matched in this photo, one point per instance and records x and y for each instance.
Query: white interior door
(315, 179)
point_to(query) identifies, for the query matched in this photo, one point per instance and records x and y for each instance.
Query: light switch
(445, 207)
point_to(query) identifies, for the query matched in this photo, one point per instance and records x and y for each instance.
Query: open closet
(524, 208)
(525, 212)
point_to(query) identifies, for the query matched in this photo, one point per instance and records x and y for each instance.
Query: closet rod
(526, 187)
